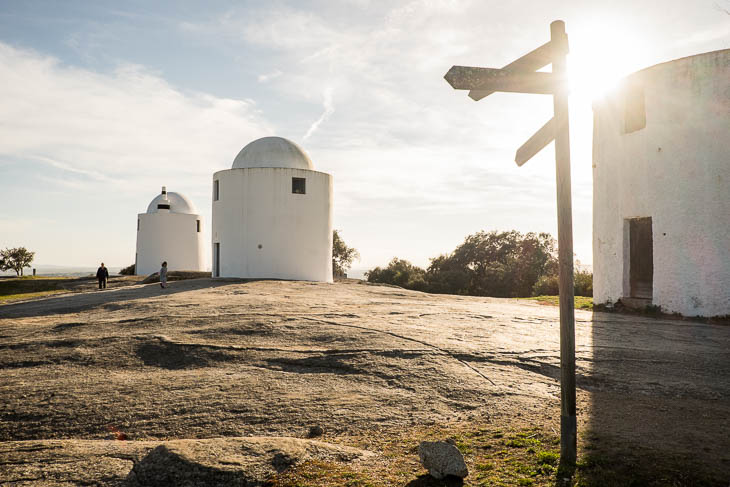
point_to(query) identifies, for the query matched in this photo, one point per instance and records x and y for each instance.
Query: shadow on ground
(163, 468)
(659, 404)
(428, 481)
(73, 303)
(173, 356)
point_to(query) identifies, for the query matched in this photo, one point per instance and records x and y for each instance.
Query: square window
(216, 190)
(299, 185)
(634, 108)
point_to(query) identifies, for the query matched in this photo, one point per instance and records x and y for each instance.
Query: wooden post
(568, 435)
(521, 76)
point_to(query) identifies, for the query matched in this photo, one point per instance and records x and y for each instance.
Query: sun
(600, 55)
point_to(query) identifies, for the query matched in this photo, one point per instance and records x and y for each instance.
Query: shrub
(584, 283)
(401, 273)
(546, 286)
(127, 271)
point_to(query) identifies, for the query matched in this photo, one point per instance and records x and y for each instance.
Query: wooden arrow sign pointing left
(489, 79)
(530, 62)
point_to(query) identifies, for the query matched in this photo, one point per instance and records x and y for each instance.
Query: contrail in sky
(329, 109)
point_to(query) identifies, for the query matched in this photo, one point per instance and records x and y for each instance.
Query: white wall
(676, 170)
(171, 237)
(294, 231)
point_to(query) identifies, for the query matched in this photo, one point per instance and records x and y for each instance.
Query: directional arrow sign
(521, 76)
(488, 79)
(536, 143)
(532, 61)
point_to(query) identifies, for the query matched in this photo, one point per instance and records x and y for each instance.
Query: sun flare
(600, 56)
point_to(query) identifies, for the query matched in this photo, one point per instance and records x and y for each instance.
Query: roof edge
(679, 60)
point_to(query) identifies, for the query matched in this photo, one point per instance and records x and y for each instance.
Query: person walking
(102, 274)
(163, 275)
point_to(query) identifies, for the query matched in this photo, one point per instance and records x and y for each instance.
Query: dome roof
(272, 152)
(178, 203)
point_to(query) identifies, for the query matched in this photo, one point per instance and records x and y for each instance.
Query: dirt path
(212, 358)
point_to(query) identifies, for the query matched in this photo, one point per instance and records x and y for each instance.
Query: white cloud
(97, 147)
(263, 78)
(127, 125)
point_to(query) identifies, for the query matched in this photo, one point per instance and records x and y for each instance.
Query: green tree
(503, 264)
(445, 276)
(16, 259)
(342, 255)
(401, 273)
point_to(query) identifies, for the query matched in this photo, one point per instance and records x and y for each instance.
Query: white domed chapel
(272, 215)
(170, 230)
(661, 188)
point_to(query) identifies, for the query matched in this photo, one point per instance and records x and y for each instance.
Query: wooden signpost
(520, 76)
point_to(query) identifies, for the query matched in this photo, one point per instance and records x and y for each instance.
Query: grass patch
(581, 302)
(21, 296)
(26, 287)
(317, 473)
(522, 442)
(548, 458)
(29, 278)
(495, 456)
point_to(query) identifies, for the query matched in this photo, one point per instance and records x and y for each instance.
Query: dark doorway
(216, 259)
(641, 263)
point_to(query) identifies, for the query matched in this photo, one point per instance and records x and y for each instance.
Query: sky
(104, 102)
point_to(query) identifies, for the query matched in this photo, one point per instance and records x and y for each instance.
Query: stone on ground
(442, 459)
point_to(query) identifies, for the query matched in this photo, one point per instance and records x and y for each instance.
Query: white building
(661, 188)
(171, 231)
(272, 215)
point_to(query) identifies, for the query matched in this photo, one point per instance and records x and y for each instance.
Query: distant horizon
(59, 270)
(356, 272)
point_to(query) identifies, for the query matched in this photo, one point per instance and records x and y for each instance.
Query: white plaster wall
(675, 170)
(172, 237)
(257, 207)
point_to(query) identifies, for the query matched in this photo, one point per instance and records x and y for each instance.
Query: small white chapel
(170, 230)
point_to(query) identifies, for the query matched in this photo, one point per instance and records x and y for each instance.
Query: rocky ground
(230, 376)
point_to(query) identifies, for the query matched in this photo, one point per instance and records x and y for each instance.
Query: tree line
(499, 264)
